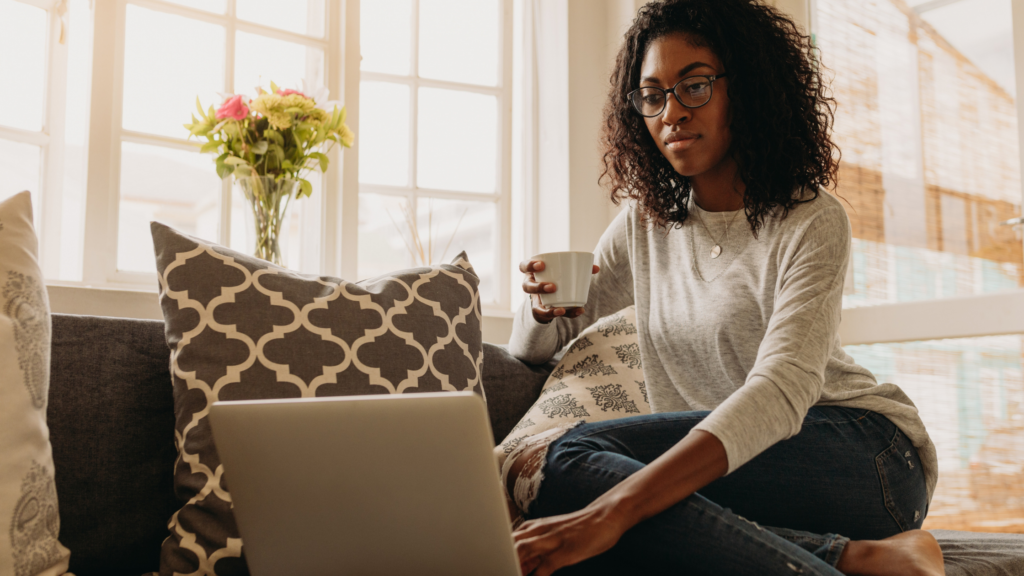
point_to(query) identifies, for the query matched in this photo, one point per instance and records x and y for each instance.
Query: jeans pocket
(903, 485)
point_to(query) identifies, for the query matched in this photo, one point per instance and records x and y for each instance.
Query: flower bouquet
(270, 143)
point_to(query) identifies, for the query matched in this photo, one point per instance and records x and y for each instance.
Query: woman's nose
(675, 112)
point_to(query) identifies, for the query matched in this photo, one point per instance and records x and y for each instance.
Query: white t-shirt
(752, 336)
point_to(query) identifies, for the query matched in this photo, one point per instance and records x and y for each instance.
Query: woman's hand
(547, 544)
(531, 286)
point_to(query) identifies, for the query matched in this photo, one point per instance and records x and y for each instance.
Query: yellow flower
(348, 137)
(264, 104)
(280, 120)
(317, 117)
(298, 101)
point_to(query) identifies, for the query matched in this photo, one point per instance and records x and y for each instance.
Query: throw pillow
(599, 378)
(29, 519)
(240, 328)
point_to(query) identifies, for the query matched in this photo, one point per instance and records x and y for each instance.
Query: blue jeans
(848, 471)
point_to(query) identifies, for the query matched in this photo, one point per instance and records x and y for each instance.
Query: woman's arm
(547, 544)
(611, 290)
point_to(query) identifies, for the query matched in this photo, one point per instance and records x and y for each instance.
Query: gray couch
(111, 421)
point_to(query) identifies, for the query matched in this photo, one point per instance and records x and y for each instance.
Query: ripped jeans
(848, 471)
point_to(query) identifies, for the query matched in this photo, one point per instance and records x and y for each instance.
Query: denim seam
(857, 419)
(785, 556)
(890, 504)
(833, 555)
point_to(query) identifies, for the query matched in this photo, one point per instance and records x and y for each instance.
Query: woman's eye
(653, 99)
(697, 88)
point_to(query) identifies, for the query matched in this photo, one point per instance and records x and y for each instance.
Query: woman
(717, 130)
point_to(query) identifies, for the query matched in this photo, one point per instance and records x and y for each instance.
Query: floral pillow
(599, 378)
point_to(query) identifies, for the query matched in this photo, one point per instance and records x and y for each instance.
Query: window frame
(502, 197)
(106, 133)
(50, 139)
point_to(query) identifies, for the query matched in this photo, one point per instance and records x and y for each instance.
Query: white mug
(570, 272)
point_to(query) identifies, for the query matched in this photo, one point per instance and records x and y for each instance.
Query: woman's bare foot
(913, 553)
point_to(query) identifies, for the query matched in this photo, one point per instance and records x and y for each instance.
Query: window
(434, 169)
(95, 129)
(928, 127)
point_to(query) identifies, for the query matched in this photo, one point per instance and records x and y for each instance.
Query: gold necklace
(717, 250)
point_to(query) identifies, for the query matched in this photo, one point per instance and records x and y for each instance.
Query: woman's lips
(680, 140)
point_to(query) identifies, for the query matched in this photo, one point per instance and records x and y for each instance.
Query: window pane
(19, 164)
(927, 123)
(384, 37)
(384, 237)
(168, 61)
(76, 134)
(301, 16)
(216, 6)
(260, 60)
(970, 393)
(447, 28)
(447, 227)
(384, 133)
(179, 188)
(23, 37)
(457, 140)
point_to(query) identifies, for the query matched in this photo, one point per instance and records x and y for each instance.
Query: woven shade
(930, 166)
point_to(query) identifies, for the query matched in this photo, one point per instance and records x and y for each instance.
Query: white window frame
(962, 317)
(502, 196)
(50, 139)
(106, 135)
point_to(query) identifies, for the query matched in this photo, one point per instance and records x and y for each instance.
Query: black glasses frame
(711, 83)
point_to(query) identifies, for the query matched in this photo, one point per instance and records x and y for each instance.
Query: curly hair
(782, 110)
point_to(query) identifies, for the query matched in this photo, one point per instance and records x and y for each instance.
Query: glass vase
(268, 200)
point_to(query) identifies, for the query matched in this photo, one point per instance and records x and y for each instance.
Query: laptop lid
(388, 485)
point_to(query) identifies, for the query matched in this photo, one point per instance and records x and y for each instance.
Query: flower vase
(268, 199)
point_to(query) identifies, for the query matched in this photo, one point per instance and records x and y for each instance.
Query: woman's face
(694, 140)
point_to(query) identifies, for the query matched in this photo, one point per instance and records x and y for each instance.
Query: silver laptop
(390, 485)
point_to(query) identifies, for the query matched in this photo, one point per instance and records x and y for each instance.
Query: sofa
(111, 420)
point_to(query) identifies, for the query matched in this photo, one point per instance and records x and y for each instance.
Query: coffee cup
(570, 272)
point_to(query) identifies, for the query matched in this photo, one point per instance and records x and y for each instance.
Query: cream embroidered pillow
(599, 378)
(29, 521)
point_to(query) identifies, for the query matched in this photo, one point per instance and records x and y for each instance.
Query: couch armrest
(511, 387)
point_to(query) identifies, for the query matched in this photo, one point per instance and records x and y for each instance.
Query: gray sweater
(752, 336)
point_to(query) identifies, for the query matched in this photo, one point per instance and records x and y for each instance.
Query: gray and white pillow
(240, 328)
(599, 378)
(29, 518)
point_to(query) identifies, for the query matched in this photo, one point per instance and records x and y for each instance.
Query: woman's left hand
(547, 544)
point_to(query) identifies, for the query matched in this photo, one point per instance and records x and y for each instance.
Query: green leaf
(305, 188)
(287, 165)
(274, 136)
(200, 108)
(324, 161)
(235, 161)
(210, 146)
(278, 152)
(221, 125)
(223, 170)
(273, 87)
(222, 157)
(242, 171)
(260, 147)
(211, 114)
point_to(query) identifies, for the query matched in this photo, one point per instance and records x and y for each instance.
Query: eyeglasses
(692, 92)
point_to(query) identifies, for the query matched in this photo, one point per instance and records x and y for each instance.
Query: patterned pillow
(29, 519)
(240, 328)
(599, 378)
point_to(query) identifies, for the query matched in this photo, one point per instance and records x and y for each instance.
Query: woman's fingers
(531, 266)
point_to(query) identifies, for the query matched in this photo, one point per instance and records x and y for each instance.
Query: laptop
(388, 485)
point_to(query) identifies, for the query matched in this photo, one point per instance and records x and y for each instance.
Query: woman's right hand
(531, 286)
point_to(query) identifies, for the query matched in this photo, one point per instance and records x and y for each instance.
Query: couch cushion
(599, 378)
(112, 427)
(29, 518)
(240, 328)
(981, 553)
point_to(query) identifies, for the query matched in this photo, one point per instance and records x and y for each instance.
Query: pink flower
(290, 91)
(233, 108)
